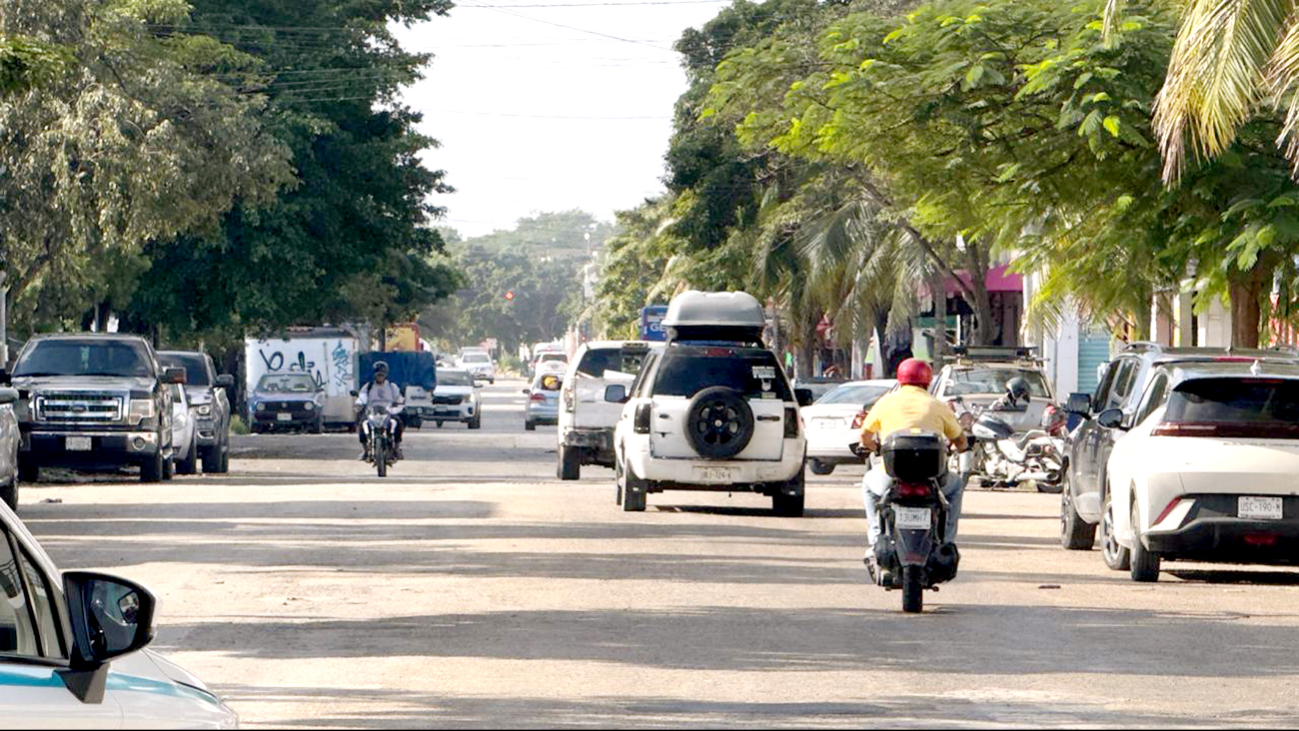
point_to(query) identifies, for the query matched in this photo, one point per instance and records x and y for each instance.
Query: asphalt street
(472, 588)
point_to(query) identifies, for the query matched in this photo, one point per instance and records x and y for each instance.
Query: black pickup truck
(94, 402)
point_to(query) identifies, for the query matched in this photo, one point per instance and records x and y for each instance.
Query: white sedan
(72, 650)
(1207, 470)
(834, 422)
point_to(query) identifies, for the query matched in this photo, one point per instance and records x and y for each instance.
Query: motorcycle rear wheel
(913, 592)
(381, 458)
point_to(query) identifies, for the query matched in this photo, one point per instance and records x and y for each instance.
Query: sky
(550, 105)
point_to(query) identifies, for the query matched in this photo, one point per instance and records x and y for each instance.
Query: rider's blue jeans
(877, 482)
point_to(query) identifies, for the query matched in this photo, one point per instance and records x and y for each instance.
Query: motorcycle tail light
(641, 422)
(791, 423)
(912, 489)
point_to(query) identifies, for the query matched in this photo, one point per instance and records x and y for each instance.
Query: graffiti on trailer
(274, 361)
(342, 366)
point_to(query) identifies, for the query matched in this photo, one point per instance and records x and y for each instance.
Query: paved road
(472, 588)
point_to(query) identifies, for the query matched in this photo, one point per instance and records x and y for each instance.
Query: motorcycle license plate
(1259, 508)
(284, 417)
(912, 518)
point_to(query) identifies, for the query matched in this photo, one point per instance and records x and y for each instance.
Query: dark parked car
(1083, 497)
(209, 405)
(287, 402)
(94, 402)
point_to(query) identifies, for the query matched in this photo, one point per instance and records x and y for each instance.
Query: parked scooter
(912, 545)
(380, 429)
(1001, 456)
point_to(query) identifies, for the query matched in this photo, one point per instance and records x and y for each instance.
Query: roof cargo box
(715, 316)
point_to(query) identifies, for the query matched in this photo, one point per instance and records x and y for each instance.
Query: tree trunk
(977, 266)
(938, 290)
(806, 353)
(1246, 306)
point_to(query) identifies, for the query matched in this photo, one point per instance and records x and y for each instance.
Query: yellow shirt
(911, 407)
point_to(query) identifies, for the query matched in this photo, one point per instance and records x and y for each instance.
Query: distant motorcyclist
(909, 407)
(1017, 397)
(379, 392)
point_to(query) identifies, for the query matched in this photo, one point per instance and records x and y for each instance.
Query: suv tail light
(537, 396)
(569, 401)
(859, 419)
(641, 422)
(791, 423)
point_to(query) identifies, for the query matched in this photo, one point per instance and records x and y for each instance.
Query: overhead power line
(566, 27)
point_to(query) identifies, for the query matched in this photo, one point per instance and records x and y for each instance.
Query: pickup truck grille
(447, 400)
(68, 408)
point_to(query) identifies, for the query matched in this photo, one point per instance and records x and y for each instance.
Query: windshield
(455, 378)
(120, 358)
(596, 362)
(859, 395)
(553, 356)
(1274, 402)
(753, 374)
(287, 383)
(195, 367)
(969, 381)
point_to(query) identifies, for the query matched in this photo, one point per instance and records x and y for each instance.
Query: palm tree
(1230, 57)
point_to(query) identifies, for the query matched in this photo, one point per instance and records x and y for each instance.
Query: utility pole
(4, 322)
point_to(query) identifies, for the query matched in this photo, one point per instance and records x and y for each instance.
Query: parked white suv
(1206, 471)
(586, 420)
(712, 410)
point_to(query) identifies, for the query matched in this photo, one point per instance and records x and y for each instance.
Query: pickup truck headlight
(204, 410)
(310, 406)
(142, 409)
(261, 406)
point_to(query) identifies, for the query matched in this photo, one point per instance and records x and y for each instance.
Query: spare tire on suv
(719, 423)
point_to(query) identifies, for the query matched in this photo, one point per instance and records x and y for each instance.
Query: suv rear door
(597, 369)
(685, 371)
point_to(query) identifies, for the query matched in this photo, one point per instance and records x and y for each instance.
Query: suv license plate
(284, 417)
(714, 474)
(77, 444)
(1259, 508)
(912, 518)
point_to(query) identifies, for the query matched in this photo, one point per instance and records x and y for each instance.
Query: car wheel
(719, 423)
(28, 472)
(189, 465)
(1076, 534)
(530, 425)
(225, 459)
(819, 468)
(1144, 564)
(154, 469)
(1115, 554)
(9, 494)
(476, 422)
(569, 468)
(786, 505)
(635, 492)
(319, 426)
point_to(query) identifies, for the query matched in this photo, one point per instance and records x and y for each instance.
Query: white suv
(586, 420)
(712, 410)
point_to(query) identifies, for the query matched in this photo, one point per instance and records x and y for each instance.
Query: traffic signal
(509, 296)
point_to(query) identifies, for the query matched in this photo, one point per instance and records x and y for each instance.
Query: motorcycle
(379, 426)
(912, 545)
(1006, 458)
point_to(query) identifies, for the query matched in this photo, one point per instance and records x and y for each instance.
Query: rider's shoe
(365, 456)
(400, 454)
(878, 577)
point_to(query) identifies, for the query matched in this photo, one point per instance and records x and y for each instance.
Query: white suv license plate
(715, 474)
(912, 518)
(77, 444)
(1259, 508)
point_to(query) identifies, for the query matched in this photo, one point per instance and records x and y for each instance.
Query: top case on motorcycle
(914, 455)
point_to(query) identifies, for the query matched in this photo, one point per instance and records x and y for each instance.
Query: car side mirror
(804, 396)
(225, 380)
(527, 391)
(176, 376)
(354, 392)
(8, 396)
(110, 617)
(1080, 404)
(1112, 419)
(616, 394)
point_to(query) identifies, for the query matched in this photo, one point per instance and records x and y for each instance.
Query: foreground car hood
(152, 688)
(86, 382)
(1245, 466)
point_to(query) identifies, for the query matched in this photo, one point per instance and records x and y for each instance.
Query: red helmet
(915, 372)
